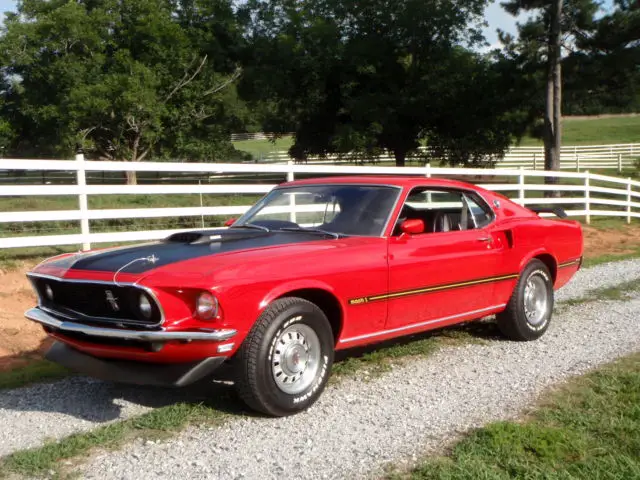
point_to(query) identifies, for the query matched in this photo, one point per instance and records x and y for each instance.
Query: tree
(602, 70)
(555, 23)
(369, 76)
(124, 79)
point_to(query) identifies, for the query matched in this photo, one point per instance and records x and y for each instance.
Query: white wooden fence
(578, 157)
(584, 194)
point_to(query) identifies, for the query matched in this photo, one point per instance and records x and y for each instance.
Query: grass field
(576, 131)
(587, 429)
(261, 148)
(596, 131)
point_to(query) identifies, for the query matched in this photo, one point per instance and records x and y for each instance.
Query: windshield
(340, 208)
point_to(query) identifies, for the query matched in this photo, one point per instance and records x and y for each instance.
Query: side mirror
(412, 226)
(230, 222)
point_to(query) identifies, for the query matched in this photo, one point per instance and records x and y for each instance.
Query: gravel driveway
(357, 426)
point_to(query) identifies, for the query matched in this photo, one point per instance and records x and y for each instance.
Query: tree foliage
(554, 24)
(603, 70)
(125, 79)
(373, 75)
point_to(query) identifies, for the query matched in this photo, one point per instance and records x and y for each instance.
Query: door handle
(485, 239)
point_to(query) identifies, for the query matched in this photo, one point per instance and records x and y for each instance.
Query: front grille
(88, 302)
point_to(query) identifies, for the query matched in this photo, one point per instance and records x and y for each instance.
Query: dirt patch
(21, 340)
(619, 241)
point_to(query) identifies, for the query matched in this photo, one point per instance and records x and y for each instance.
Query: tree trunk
(553, 113)
(132, 178)
(400, 156)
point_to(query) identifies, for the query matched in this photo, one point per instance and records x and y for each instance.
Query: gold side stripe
(438, 288)
(569, 263)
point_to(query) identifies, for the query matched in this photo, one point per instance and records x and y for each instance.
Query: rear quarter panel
(558, 243)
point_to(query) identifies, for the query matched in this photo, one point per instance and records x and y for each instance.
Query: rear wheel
(285, 361)
(529, 310)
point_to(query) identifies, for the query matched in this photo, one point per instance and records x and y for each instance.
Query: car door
(449, 270)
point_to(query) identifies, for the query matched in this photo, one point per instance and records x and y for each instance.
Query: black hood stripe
(145, 257)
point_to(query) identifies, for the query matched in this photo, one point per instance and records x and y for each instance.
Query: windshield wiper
(251, 225)
(310, 230)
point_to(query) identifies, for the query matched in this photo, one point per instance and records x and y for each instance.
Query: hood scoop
(188, 237)
(212, 235)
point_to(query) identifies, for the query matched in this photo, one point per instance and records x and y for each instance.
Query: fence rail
(579, 157)
(583, 193)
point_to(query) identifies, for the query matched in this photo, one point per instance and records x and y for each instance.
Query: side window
(443, 210)
(482, 214)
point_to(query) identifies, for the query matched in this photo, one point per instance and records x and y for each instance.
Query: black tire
(513, 321)
(257, 358)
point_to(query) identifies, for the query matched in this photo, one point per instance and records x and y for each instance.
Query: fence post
(290, 175)
(292, 198)
(587, 198)
(535, 164)
(577, 163)
(522, 185)
(82, 200)
(619, 163)
(628, 200)
(428, 168)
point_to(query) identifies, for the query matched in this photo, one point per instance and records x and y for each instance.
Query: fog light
(48, 291)
(146, 309)
(206, 306)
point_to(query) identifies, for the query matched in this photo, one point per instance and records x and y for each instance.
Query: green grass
(593, 261)
(596, 131)
(618, 292)
(378, 359)
(36, 371)
(158, 423)
(592, 131)
(262, 148)
(587, 429)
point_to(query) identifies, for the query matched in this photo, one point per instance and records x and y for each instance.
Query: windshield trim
(398, 189)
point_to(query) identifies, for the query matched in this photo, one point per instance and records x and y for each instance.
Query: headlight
(48, 291)
(206, 306)
(145, 307)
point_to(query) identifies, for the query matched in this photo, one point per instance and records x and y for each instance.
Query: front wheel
(529, 310)
(285, 361)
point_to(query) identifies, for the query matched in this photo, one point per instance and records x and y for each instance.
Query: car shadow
(475, 331)
(100, 402)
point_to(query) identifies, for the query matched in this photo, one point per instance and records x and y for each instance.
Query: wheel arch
(317, 293)
(551, 264)
(545, 257)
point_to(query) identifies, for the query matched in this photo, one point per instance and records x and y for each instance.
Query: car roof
(391, 180)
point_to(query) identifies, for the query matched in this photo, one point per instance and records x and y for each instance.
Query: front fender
(283, 289)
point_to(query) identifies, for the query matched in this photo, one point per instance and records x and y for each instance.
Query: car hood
(136, 262)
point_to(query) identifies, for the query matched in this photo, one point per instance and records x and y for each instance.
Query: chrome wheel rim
(536, 300)
(296, 358)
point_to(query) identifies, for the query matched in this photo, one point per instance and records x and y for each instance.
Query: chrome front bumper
(39, 316)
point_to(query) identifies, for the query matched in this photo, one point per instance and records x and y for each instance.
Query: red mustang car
(315, 266)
